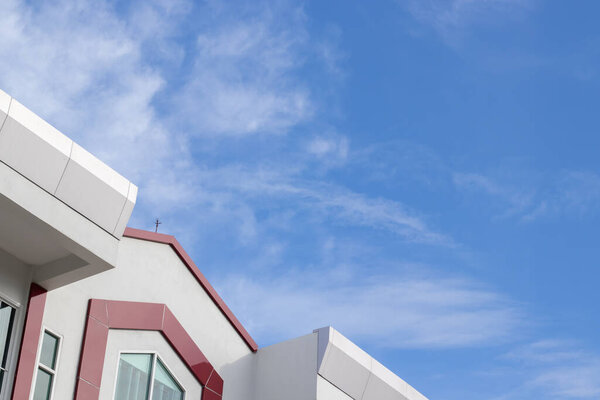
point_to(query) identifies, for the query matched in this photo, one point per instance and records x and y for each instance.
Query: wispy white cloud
(82, 67)
(458, 13)
(244, 78)
(453, 17)
(564, 194)
(397, 310)
(515, 200)
(574, 193)
(321, 200)
(560, 369)
(332, 147)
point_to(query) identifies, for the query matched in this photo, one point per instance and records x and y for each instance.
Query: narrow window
(7, 316)
(145, 377)
(44, 381)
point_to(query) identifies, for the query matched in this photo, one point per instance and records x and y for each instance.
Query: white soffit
(356, 373)
(52, 161)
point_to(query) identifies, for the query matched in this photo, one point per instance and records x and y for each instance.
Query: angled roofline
(193, 268)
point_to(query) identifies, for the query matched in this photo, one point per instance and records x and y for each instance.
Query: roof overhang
(62, 210)
(356, 373)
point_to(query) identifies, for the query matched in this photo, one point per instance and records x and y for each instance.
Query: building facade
(91, 309)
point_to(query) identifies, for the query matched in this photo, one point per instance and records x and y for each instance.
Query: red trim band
(189, 263)
(108, 314)
(29, 342)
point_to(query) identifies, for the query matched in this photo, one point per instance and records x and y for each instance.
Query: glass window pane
(49, 348)
(165, 387)
(43, 384)
(7, 314)
(133, 380)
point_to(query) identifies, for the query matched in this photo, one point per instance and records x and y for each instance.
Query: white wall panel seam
(337, 387)
(65, 169)
(122, 209)
(58, 199)
(368, 379)
(7, 114)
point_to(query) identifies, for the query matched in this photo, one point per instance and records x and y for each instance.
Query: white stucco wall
(287, 370)
(327, 391)
(15, 279)
(149, 272)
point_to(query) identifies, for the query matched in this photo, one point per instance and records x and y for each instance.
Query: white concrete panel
(53, 222)
(353, 371)
(142, 341)
(33, 147)
(22, 239)
(60, 272)
(15, 277)
(51, 160)
(288, 370)
(326, 391)
(127, 210)
(93, 189)
(346, 366)
(384, 384)
(4, 107)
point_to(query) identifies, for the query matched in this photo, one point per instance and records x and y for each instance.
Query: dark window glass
(43, 385)
(49, 350)
(7, 316)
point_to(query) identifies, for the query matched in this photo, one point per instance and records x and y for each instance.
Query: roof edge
(193, 268)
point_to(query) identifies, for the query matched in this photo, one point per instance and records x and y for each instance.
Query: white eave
(356, 373)
(62, 211)
(52, 161)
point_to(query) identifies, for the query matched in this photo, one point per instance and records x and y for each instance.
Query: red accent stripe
(187, 260)
(139, 316)
(29, 343)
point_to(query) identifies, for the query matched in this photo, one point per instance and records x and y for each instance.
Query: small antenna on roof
(157, 223)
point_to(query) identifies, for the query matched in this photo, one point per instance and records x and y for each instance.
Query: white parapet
(325, 365)
(48, 158)
(356, 373)
(62, 210)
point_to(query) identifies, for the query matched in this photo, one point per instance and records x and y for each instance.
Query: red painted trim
(189, 263)
(29, 343)
(109, 314)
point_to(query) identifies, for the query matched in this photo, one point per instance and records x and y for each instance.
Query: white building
(91, 309)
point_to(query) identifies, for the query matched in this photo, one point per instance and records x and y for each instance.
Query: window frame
(155, 356)
(13, 348)
(39, 365)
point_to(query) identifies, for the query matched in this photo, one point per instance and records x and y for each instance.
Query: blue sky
(422, 175)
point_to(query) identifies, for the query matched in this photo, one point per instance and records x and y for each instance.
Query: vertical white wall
(287, 370)
(326, 391)
(15, 278)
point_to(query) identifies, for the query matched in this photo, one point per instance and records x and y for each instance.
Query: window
(7, 316)
(145, 377)
(44, 381)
